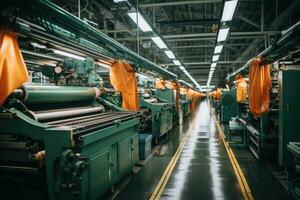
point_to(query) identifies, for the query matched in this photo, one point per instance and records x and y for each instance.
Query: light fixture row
(145, 27)
(227, 15)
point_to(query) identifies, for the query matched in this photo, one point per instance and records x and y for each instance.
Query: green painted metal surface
(289, 113)
(229, 106)
(169, 96)
(184, 105)
(161, 117)
(99, 158)
(166, 95)
(36, 94)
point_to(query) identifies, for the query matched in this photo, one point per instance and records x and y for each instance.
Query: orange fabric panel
(160, 84)
(123, 79)
(13, 71)
(184, 90)
(191, 96)
(259, 87)
(241, 89)
(175, 86)
(218, 94)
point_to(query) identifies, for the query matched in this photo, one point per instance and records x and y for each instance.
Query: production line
(64, 135)
(122, 99)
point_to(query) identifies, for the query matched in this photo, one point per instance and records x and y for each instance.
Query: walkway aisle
(203, 170)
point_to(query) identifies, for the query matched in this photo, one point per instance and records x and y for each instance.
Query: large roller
(65, 113)
(37, 94)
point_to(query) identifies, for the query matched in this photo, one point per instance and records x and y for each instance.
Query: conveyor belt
(92, 122)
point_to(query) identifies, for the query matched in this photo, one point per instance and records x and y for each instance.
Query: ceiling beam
(207, 63)
(205, 46)
(206, 35)
(178, 3)
(249, 21)
(188, 22)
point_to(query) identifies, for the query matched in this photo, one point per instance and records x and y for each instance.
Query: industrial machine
(59, 142)
(289, 139)
(269, 134)
(60, 139)
(158, 113)
(169, 96)
(184, 104)
(233, 126)
(228, 105)
(289, 110)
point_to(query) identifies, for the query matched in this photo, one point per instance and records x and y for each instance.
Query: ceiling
(190, 27)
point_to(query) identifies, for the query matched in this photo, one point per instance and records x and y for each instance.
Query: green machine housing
(169, 96)
(289, 109)
(59, 142)
(228, 105)
(184, 105)
(158, 115)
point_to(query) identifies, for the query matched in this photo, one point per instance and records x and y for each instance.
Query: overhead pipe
(287, 43)
(61, 18)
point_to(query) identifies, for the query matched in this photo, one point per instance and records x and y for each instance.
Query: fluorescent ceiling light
(228, 11)
(40, 46)
(213, 65)
(143, 25)
(117, 1)
(170, 54)
(159, 42)
(218, 49)
(223, 32)
(70, 55)
(176, 62)
(103, 65)
(215, 58)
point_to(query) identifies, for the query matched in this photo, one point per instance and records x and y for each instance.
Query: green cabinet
(125, 155)
(99, 184)
(135, 148)
(229, 106)
(113, 164)
(289, 106)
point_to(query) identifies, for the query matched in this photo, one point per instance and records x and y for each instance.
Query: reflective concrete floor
(203, 170)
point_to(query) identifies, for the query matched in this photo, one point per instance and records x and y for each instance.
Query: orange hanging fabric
(160, 84)
(175, 86)
(123, 79)
(13, 71)
(259, 87)
(241, 89)
(184, 90)
(218, 94)
(191, 96)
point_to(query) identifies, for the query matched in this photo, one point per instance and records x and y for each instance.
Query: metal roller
(59, 114)
(36, 94)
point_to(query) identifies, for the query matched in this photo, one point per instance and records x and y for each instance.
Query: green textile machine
(59, 142)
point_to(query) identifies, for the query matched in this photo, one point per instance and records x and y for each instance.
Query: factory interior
(149, 99)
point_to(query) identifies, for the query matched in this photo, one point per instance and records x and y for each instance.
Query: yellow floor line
(168, 171)
(236, 167)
